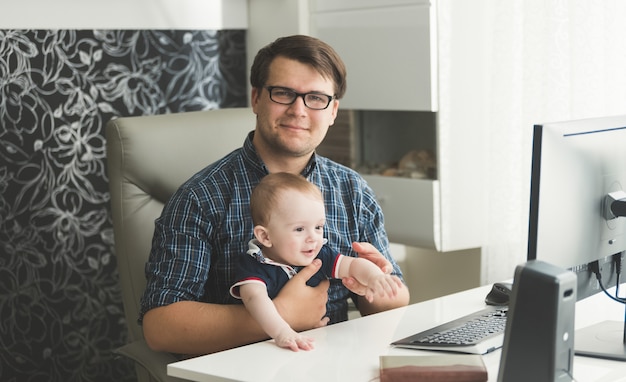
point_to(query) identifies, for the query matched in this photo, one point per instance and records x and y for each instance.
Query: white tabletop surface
(350, 351)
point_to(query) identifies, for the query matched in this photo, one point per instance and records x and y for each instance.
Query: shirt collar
(254, 250)
(310, 166)
(251, 157)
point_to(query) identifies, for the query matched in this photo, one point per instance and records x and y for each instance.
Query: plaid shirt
(206, 224)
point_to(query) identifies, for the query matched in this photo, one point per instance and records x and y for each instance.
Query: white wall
(547, 61)
(124, 14)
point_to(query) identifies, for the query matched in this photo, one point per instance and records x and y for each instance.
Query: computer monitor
(577, 209)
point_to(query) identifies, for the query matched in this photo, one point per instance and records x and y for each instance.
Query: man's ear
(335, 110)
(262, 236)
(254, 99)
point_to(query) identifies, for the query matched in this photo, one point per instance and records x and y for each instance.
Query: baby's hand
(292, 340)
(382, 285)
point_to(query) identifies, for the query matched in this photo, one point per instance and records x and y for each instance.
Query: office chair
(149, 157)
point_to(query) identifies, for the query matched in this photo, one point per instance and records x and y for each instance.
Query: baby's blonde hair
(266, 195)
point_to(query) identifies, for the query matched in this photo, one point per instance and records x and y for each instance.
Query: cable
(617, 259)
(595, 268)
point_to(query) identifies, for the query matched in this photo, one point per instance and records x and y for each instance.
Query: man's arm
(193, 328)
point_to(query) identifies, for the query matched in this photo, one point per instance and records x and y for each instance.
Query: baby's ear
(262, 236)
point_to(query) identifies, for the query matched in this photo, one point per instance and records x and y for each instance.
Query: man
(297, 82)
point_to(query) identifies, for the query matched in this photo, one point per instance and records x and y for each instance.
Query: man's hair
(266, 195)
(305, 49)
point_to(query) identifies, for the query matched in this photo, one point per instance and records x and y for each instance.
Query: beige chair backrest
(148, 159)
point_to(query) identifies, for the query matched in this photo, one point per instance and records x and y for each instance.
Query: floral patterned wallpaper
(60, 305)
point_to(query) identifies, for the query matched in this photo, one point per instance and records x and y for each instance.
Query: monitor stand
(603, 340)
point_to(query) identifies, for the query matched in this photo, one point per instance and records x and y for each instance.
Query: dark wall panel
(60, 305)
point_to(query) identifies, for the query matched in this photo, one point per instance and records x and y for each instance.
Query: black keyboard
(477, 333)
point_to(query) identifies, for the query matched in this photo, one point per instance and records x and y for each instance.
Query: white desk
(350, 351)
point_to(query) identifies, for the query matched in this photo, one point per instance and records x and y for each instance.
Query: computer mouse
(499, 294)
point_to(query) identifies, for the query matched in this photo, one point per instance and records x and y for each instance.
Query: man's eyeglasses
(286, 96)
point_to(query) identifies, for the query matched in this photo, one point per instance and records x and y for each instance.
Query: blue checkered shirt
(206, 224)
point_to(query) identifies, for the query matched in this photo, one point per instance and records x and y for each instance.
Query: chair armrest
(155, 363)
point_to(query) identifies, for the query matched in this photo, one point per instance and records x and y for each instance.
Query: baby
(288, 215)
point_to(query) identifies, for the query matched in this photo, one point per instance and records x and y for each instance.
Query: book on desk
(438, 368)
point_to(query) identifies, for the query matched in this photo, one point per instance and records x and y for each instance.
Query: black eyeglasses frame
(301, 95)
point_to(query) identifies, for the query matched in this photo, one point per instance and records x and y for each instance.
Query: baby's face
(296, 229)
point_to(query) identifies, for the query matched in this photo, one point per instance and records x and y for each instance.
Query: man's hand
(369, 252)
(381, 286)
(401, 298)
(303, 306)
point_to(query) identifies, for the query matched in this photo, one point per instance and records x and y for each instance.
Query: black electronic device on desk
(478, 333)
(500, 294)
(540, 326)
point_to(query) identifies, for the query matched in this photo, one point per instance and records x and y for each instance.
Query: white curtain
(546, 60)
